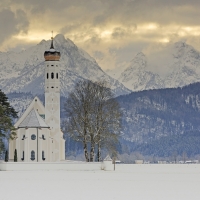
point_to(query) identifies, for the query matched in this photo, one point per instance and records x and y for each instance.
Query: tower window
(57, 75)
(52, 87)
(47, 65)
(56, 65)
(47, 75)
(52, 65)
(32, 155)
(52, 75)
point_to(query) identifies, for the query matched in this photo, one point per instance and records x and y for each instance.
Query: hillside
(159, 122)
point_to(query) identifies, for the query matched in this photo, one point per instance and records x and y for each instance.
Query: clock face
(33, 137)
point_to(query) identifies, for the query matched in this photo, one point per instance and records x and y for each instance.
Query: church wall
(50, 149)
(44, 144)
(62, 149)
(12, 147)
(29, 143)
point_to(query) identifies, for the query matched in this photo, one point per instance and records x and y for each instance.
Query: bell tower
(52, 100)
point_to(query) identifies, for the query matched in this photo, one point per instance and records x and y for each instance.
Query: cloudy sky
(112, 31)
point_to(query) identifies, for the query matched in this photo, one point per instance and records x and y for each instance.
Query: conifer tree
(15, 156)
(6, 156)
(7, 113)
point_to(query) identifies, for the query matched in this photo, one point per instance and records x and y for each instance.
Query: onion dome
(52, 54)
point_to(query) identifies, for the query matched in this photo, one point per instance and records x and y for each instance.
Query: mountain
(184, 67)
(24, 71)
(136, 77)
(161, 121)
(180, 67)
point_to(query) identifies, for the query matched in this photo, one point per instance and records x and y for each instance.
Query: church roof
(35, 104)
(33, 120)
(108, 158)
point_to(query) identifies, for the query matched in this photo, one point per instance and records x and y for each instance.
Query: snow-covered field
(134, 182)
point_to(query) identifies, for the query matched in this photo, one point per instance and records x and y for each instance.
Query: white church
(38, 136)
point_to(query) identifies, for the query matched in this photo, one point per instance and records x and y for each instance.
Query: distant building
(139, 161)
(162, 162)
(118, 162)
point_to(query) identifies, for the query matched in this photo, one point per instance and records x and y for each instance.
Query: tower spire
(52, 47)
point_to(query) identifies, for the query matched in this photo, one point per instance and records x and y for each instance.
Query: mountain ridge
(181, 66)
(24, 71)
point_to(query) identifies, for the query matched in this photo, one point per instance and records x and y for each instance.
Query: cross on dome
(52, 47)
(52, 54)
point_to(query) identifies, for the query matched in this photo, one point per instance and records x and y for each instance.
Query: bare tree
(105, 120)
(78, 109)
(184, 156)
(174, 156)
(94, 117)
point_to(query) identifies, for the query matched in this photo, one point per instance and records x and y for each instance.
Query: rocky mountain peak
(25, 71)
(59, 38)
(138, 62)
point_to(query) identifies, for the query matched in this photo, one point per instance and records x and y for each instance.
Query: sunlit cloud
(101, 27)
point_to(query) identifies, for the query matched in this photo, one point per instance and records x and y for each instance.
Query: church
(38, 134)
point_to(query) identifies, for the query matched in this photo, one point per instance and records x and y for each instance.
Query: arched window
(47, 75)
(22, 155)
(57, 75)
(43, 158)
(32, 155)
(52, 75)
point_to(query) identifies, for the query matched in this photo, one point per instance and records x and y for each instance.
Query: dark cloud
(124, 12)
(70, 28)
(12, 23)
(120, 32)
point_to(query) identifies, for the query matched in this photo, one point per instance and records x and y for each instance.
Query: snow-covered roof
(35, 104)
(107, 158)
(33, 120)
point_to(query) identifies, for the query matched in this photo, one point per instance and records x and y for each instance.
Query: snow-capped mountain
(185, 67)
(136, 77)
(24, 71)
(182, 66)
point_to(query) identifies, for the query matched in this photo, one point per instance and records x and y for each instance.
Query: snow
(52, 50)
(176, 65)
(24, 71)
(146, 182)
